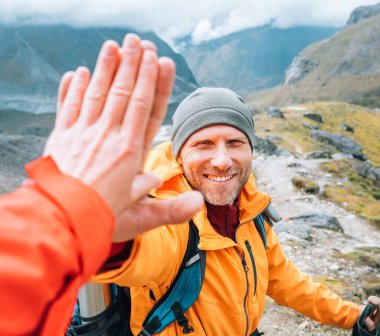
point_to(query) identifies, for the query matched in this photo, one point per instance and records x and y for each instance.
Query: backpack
(181, 295)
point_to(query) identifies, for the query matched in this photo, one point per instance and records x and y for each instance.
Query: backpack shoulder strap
(269, 215)
(182, 293)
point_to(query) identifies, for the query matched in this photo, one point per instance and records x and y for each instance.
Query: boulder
(313, 116)
(266, 146)
(319, 221)
(319, 155)
(304, 225)
(363, 169)
(342, 143)
(347, 128)
(291, 229)
(275, 112)
(312, 127)
(374, 175)
(275, 138)
(305, 184)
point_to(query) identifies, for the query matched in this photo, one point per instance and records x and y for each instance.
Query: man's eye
(236, 142)
(204, 143)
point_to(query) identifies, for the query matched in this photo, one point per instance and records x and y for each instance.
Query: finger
(73, 101)
(142, 184)
(150, 214)
(64, 85)
(141, 103)
(148, 45)
(104, 72)
(164, 88)
(123, 84)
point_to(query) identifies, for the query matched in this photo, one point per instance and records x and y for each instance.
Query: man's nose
(221, 160)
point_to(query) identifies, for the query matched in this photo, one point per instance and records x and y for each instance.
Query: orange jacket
(232, 298)
(54, 234)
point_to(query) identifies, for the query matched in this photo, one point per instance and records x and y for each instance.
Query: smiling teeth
(219, 178)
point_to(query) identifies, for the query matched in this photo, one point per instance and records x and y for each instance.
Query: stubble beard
(225, 196)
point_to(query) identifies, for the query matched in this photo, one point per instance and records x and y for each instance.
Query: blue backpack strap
(182, 293)
(269, 215)
(259, 224)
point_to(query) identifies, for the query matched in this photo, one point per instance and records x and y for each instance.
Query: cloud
(202, 19)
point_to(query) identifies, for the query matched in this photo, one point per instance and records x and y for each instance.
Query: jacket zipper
(244, 263)
(248, 245)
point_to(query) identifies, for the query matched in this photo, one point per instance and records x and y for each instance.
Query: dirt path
(318, 257)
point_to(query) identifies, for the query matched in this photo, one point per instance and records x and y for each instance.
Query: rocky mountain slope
(33, 58)
(252, 59)
(329, 243)
(363, 12)
(344, 67)
(346, 135)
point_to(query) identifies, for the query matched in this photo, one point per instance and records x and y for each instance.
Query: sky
(171, 19)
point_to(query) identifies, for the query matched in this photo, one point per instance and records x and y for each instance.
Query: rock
(298, 69)
(340, 142)
(347, 128)
(319, 155)
(275, 138)
(275, 112)
(266, 146)
(312, 127)
(374, 175)
(305, 184)
(313, 116)
(284, 152)
(294, 165)
(318, 220)
(363, 168)
(293, 231)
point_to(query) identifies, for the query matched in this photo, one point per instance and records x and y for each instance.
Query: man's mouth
(219, 178)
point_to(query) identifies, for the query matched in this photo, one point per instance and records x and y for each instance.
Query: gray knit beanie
(206, 107)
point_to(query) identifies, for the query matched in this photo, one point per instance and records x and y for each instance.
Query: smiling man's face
(217, 162)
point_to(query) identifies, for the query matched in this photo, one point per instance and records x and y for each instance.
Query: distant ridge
(251, 59)
(344, 67)
(33, 58)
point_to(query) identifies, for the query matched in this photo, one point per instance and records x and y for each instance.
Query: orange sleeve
(290, 287)
(54, 234)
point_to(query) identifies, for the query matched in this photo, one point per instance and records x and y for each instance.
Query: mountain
(344, 67)
(33, 58)
(252, 59)
(363, 12)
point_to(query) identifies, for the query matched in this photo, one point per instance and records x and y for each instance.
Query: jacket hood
(162, 163)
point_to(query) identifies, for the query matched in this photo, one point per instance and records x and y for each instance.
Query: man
(211, 151)
(56, 230)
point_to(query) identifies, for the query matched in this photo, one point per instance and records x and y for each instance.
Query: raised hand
(105, 126)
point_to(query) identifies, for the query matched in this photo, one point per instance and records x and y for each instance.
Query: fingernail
(109, 48)
(130, 42)
(81, 71)
(149, 57)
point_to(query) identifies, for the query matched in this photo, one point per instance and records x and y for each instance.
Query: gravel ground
(315, 257)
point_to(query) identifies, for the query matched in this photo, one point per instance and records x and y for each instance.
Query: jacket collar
(162, 163)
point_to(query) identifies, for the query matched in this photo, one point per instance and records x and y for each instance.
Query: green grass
(357, 194)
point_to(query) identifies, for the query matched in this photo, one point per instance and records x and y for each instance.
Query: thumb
(178, 209)
(148, 214)
(142, 184)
